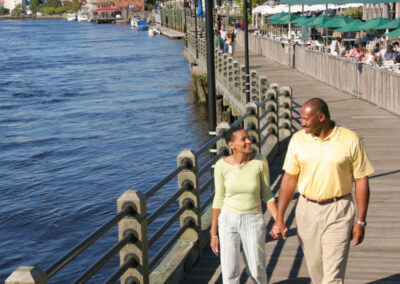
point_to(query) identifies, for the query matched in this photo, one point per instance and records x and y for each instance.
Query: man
(390, 54)
(322, 160)
(217, 40)
(223, 34)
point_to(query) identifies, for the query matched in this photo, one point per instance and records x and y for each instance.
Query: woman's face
(240, 142)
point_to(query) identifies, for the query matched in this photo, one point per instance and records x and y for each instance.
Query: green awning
(394, 33)
(394, 24)
(374, 24)
(336, 22)
(276, 16)
(289, 18)
(354, 26)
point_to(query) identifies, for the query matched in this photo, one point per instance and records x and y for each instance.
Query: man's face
(311, 120)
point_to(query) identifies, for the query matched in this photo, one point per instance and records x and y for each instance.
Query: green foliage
(4, 11)
(18, 10)
(34, 6)
(355, 13)
(75, 6)
(150, 7)
(47, 10)
(61, 10)
(53, 3)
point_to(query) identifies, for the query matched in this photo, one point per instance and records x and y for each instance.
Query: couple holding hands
(322, 161)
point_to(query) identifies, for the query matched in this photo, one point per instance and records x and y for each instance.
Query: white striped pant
(250, 231)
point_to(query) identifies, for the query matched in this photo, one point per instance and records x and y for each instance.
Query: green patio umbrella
(336, 22)
(353, 26)
(394, 33)
(287, 19)
(276, 16)
(321, 19)
(305, 22)
(300, 19)
(374, 24)
(394, 24)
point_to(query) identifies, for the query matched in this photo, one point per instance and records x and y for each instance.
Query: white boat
(71, 17)
(154, 31)
(83, 18)
(134, 21)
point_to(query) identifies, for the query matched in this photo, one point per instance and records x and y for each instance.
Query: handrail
(164, 181)
(61, 262)
(129, 262)
(130, 237)
(167, 246)
(209, 164)
(204, 187)
(171, 220)
(206, 203)
(207, 145)
(166, 204)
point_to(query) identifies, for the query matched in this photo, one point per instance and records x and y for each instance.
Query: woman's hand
(214, 243)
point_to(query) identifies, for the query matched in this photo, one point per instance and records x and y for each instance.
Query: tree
(4, 11)
(53, 3)
(34, 6)
(355, 13)
(75, 6)
(18, 10)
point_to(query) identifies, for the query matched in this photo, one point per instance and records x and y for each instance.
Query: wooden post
(138, 224)
(27, 275)
(252, 125)
(192, 195)
(285, 112)
(221, 143)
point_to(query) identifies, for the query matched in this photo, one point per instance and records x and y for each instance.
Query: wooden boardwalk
(377, 259)
(171, 34)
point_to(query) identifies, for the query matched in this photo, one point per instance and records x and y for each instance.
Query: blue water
(86, 112)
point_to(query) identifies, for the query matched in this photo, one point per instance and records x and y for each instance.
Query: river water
(86, 112)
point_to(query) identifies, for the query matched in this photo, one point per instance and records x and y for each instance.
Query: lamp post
(195, 29)
(210, 67)
(246, 51)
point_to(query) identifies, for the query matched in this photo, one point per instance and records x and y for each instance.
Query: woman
(241, 181)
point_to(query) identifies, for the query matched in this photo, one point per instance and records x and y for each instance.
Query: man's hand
(214, 243)
(358, 234)
(279, 230)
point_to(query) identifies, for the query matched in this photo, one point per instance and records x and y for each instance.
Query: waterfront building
(385, 10)
(11, 4)
(134, 5)
(106, 3)
(2, 3)
(90, 6)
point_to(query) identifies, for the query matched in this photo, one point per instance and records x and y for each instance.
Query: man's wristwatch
(363, 224)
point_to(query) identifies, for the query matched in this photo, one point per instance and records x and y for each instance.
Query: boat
(134, 21)
(154, 31)
(83, 17)
(71, 17)
(142, 25)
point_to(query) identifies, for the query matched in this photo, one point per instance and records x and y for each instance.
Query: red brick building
(138, 5)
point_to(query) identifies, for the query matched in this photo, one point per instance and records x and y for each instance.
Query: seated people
(369, 57)
(390, 54)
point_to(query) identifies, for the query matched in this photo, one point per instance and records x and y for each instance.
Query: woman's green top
(239, 189)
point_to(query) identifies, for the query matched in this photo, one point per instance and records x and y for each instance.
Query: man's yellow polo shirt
(326, 167)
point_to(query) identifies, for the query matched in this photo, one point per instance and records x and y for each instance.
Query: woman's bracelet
(214, 236)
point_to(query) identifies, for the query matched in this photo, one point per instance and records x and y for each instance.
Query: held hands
(214, 244)
(279, 230)
(357, 234)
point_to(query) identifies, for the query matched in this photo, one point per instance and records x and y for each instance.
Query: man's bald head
(318, 105)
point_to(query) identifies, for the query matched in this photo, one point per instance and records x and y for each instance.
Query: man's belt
(324, 201)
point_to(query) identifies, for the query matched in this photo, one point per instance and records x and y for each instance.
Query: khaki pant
(324, 233)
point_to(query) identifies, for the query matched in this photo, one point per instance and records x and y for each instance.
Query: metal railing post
(252, 125)
(27, 275)
(189, 178)
(135, 223)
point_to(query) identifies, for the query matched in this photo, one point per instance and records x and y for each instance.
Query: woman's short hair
(228, 135)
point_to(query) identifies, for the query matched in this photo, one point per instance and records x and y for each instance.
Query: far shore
(56, 17)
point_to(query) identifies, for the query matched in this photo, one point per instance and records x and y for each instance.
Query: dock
(377, 259)
(171, 34)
